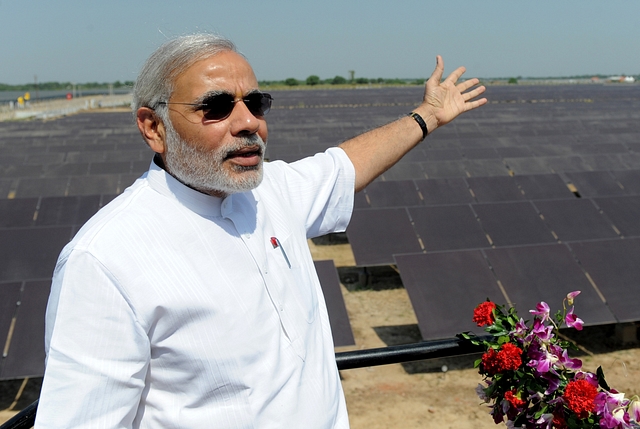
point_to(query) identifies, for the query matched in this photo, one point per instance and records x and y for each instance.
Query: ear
(151, 128)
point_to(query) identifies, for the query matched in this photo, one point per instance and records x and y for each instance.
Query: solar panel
(40, 186)
(527, 165)
(376, 234)
(485, 167)
(624, 212)
(595, 183)
(9, 298)
(530, 274)
(33, 252)
(543, 186)
(495, 189)
(66, 169)
(67, 210)
(443, 155)
(18, 212)
(405, 171)
(606, 161)
(444, 191)
(338, 316)
(576, 219)
(93, 185)
(566, 163)
(480, 153)
(512, 223)
(398, 193)
(448, 228)
(630, 180)
(514, 152)
(443, 169)
(432, 281)
(613, 266)
(110, 167)
(26, 354)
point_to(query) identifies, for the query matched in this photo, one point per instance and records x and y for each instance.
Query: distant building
(623, 79)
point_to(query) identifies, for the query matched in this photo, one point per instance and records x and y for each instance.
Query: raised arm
(375, 151)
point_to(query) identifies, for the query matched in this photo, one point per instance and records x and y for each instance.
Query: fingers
(455, 75)
(470, 105)
(471, 94)
(436, 76)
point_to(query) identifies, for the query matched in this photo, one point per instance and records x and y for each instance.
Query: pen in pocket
(276, 243)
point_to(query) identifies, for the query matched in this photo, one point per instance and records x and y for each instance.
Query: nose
(243, 122)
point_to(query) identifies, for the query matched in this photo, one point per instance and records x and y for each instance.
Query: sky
(89, 41)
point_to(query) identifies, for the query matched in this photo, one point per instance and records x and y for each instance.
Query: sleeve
(320, 189)
(97, 352)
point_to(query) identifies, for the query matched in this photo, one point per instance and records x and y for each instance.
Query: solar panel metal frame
(530, 274)
(513, 223)
(440, 284)
(595, 183)
(25, 357)
(623, 211)
(495, 189)
(575, 219)
(613, 266)
(376, 234)
(338, 315)
(398, 193)
(543, 186)
(448, 228)
(453, 190)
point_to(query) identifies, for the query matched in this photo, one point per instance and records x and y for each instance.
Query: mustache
(241, 143)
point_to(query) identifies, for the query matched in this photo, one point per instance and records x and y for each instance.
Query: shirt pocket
(297, 279)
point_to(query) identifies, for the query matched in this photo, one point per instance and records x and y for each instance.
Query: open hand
(446, 99)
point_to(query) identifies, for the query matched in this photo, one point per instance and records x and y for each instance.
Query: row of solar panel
(376, 235)
(22, 313)
(606, 272)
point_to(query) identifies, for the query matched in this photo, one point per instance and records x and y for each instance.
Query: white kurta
(171, 308)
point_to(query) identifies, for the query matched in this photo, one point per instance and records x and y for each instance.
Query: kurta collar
(169, 186)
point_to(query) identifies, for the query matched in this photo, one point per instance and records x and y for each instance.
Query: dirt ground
(429, 394)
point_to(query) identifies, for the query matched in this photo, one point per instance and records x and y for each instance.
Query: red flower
(513, 399)
(558, 421)
(483, 314)
(579, 397)
(508, 358)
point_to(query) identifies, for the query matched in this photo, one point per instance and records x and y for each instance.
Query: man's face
(217, 157)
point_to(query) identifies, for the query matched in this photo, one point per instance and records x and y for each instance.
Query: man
(191, 300)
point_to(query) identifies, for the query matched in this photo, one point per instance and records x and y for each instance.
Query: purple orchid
(541, 331)
(610, 406)
(571, 296)
(573, 321)
(634, 409)
(542, 310)
(568, 363)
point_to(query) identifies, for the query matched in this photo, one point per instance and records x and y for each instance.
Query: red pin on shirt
(276, 243)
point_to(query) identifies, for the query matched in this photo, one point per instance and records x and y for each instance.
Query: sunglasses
(219, 106)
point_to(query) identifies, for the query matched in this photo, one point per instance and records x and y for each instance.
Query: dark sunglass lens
(258, 104)
(217, 107)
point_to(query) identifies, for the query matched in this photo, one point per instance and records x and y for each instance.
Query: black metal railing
(345, 360)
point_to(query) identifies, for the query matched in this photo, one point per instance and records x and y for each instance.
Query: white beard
(204, 170)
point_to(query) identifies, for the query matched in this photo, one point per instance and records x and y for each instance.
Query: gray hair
(155, 82)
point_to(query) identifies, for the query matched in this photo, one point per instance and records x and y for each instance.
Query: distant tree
(291, 81)
(362, 80)
(313, 80)
(338, 80)
(513, 81)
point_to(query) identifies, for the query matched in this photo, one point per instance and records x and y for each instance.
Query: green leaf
(601, 381)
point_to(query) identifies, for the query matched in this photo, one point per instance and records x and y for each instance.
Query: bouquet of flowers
(530, 380)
